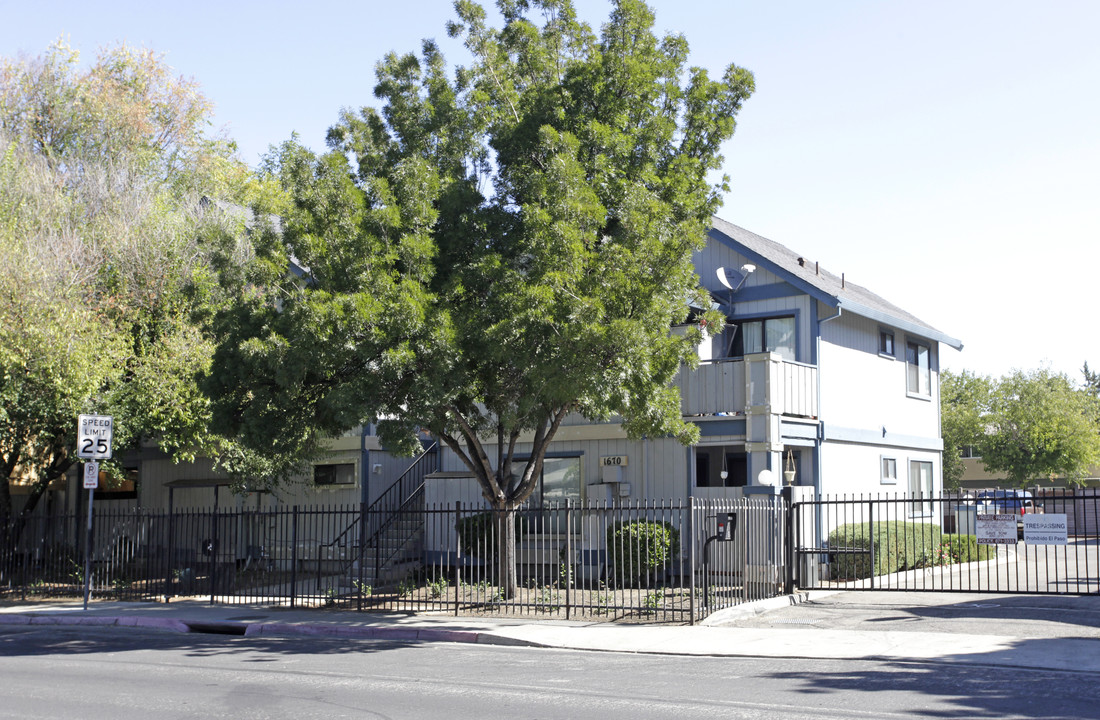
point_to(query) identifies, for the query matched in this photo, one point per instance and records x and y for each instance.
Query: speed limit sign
(93, 436)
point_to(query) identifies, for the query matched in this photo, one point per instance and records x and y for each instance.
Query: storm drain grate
(217, 628)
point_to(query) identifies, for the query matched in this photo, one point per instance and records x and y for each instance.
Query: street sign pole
(88, 552)
(91, 482)
(93, 442)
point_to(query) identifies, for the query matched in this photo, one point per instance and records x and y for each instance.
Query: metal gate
(963, 543)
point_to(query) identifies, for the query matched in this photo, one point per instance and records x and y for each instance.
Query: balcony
(721, 386)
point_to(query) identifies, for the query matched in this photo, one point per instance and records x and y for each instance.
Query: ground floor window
(559, 482)
(920, 485)
(334, 474)
(124, 487)
(889, 471)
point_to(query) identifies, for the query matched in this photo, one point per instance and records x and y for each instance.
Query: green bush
(896, 546)
(963, 548)
(639, 549)
(477, 534)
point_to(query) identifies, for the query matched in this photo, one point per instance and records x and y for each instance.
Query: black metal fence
(954, 543)
(653, 562)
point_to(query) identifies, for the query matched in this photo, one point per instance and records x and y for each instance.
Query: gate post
(788, 540)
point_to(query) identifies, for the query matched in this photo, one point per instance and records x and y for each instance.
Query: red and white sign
(91, 475)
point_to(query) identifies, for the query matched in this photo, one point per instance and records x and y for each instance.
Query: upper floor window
(766, 335)
(918, 368)
(886, 342)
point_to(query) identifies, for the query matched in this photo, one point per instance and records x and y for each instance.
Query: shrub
(896, 546)
(477, 534)
(964, 548)
(639, 549)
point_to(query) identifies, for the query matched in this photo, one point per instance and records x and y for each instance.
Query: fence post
(458, 552)
(568, 556)
(362, 548)
(871, 531)
(691, 558)
(788, 545)
(15, 544)
(293, 555)
(214, 552)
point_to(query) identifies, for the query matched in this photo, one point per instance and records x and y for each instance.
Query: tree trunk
(506, 550)
(37, 491)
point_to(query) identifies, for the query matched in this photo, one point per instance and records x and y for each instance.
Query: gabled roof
(820, 284)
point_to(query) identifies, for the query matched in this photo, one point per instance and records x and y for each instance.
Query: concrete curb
(95, 620)
(271, 629)
(759, 607)
(384, 633)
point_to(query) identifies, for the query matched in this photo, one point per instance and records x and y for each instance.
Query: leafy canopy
(106, 248)
(490, 251)
(1028, 425)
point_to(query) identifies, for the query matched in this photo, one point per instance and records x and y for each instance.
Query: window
(918, 369)
(767, 335)
(334, 474)
(920, 486)
(124, 488)
(560, 481)
(886, 342)
(889, 471)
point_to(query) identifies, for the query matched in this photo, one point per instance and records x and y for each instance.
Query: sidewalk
(751, 630)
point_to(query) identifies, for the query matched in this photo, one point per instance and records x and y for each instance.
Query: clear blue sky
(944, 154)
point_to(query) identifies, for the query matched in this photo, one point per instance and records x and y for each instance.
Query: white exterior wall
(654, 469)
(853, 469)
(862, 389)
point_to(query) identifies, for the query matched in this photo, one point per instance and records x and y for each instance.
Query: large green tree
(106, 247)
(1027, 425)
(1041, 426)
(964, 405)
(493, 250)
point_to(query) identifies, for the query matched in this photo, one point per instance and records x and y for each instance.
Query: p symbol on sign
(91, 475)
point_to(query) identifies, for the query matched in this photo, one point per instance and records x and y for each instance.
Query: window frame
(920, 508)
(887, 343)
(334, 484)
(923, 374)
(133, 479)
(739, 334)
(885, 476)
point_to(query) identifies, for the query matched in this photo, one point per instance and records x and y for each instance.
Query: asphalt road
(89, 672)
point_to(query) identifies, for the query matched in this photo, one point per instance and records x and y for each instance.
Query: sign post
(93, 442)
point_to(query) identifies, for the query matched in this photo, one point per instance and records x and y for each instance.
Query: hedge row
(899, 546)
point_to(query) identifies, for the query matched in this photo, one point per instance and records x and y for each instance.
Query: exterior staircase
(394, 530)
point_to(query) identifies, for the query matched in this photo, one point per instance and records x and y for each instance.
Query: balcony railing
(719, 386)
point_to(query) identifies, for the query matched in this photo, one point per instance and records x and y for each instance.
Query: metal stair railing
(389, 505)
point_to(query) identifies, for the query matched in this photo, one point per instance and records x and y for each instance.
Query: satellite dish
(730, 279)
